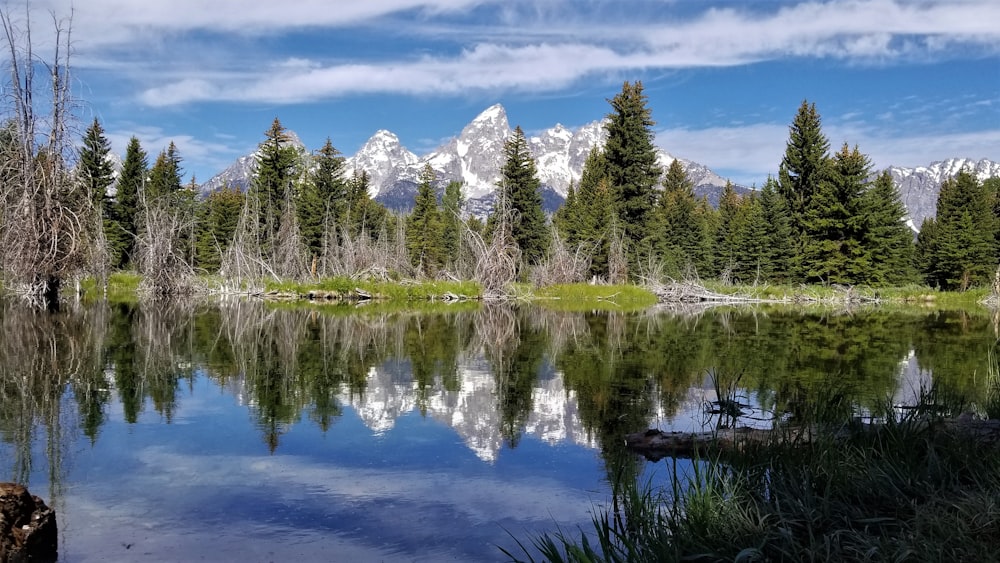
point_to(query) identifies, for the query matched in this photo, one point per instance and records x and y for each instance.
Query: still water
(240, 431)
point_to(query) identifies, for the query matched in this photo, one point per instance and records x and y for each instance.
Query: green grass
(122, 286)
(586, 297)
(904, 492)
(392, 290)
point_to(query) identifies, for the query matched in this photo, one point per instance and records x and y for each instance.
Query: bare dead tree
(161, 255)
(495, 262)
(289, 260)
(563, 264)
(43, 236)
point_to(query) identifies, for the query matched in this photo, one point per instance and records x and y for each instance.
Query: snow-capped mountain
(919, 187)
(475, 157)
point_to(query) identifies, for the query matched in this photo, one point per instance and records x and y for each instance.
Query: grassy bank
(906, 492)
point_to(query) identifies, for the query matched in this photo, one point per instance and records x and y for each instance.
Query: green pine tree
(888, 240)
(94, 168)
(131, 183)
(777, 261)
(832, 222)
(219, 216)
(451, 218)
(277, 169)
(424, 229)
(963, 252)
(323, 194)
(522, 189)
(803, 169)
(566, 218)
(165, 176)
(726, 248)
(632, 169)
(752, 238)
(679, 238)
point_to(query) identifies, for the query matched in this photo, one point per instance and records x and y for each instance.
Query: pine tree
(165, 176)
(888, 240)
(131, 182)
(451, 218)
(219, 216)
(566, 218)
(424, 230)
(631, 164)
(804, 167)
(322, 195)
(94, 169)
(522, 188)
(277, 168)
(726, 248)
(962, 249)
(752, 240)
(679, 237)
(832, 222)
(776, 263)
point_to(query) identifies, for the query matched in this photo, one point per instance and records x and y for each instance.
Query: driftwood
(656, 444)
(689, 292)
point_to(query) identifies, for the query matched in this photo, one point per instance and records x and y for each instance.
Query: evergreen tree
(520, 185)
(777, 260)
(962, 245)
(803, 166)
(322, 195)
(219, 216)
(680, 231)
(631, 164)
(95, 171)
(451, 218)
(131, 182)
(726, 248)
(832, 222)
(165, 176)
(424, 230)
(752, 240)
(567, 217)
(277, 168)
(888, 240)
(803, 169)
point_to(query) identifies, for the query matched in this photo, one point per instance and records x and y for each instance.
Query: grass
(391, 290)
(906, 492)
(580, 297)
(122, 286)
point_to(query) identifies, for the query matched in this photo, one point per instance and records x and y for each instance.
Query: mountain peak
(492, 114)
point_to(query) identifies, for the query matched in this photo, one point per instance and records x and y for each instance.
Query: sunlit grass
(381, 290)
(122, 286)
(586, 297)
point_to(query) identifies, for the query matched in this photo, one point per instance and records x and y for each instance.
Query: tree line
(826, 218)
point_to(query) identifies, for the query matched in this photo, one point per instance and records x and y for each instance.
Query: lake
(238, 430)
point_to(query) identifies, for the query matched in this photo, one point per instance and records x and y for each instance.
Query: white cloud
(521, 49)
(196, 153)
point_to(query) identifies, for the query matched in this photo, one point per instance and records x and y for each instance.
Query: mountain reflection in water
(237, 430)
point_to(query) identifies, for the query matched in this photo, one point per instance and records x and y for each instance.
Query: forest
(826, 218)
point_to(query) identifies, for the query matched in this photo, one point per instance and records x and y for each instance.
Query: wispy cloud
(203, 153)
(519, 48)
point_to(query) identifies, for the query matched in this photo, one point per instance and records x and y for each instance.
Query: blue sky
(909, 81)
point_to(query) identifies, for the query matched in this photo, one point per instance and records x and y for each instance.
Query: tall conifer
(131, 182)
(631, 164)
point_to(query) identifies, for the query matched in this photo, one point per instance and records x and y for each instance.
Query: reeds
(906, 490)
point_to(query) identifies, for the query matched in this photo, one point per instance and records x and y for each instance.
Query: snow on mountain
(475, 157)
(386, 160)
(919, 187)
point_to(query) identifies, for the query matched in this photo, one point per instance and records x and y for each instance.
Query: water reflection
(492, 375)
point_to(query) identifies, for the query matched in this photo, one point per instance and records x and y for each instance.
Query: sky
(907, 81)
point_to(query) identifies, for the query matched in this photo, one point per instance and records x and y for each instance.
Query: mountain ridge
(475, 157)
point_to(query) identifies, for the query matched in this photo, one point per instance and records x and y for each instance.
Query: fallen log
(655, 444)
(27, 526)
